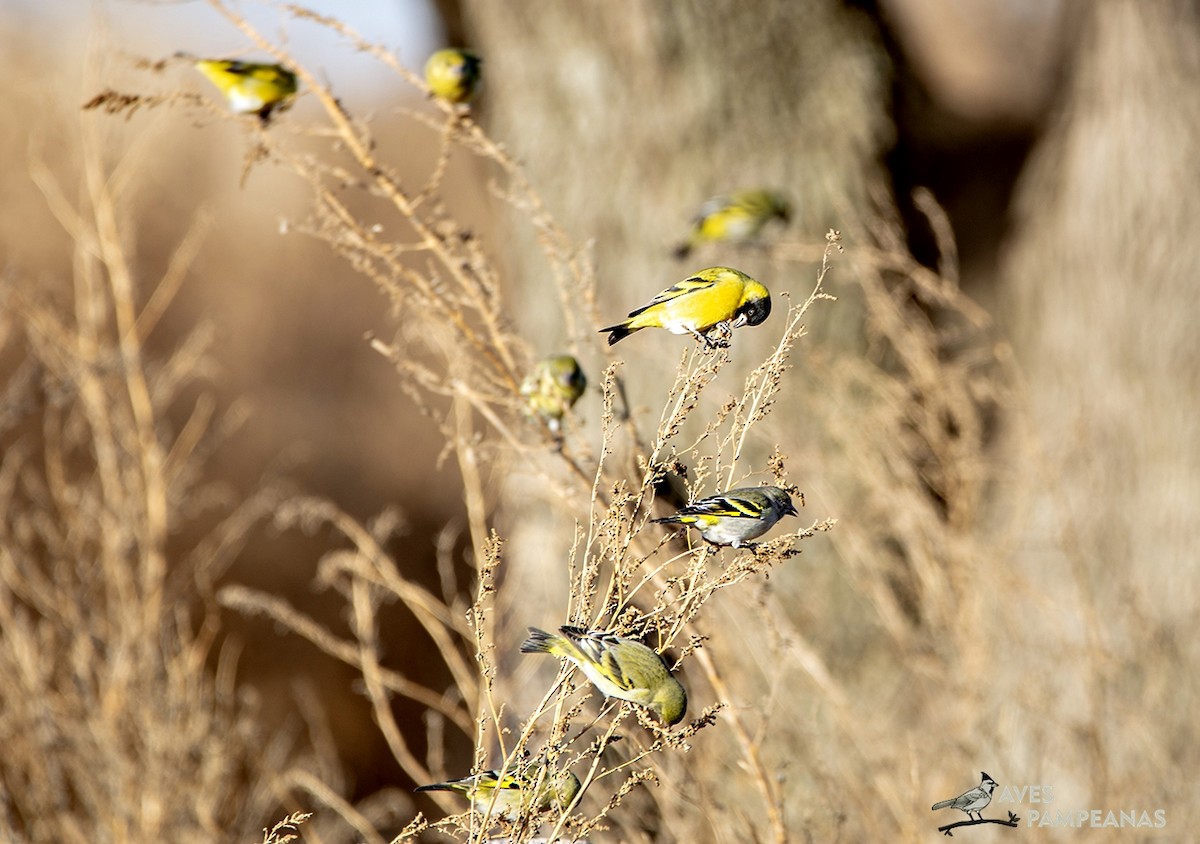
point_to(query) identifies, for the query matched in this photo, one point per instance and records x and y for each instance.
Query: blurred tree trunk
(1101, 287)
(1100, 297)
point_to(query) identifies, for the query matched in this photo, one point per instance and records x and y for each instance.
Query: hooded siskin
(251, 88)
(509, 795)
(454, 75)
(621, 668)
(717, 298)
(552, 388)
(737, 516)
(735, 218)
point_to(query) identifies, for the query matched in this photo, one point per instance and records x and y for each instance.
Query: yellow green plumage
(251, 88)
(735, 218)
(509, 794)
(552, 388)
(719, 298)
(619, 667)
(454, 75)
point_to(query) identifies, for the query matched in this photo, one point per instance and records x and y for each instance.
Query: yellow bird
(251, 88)
(552, 388)
(713, 301)
(621, 668)
(510, 794)
(738, 217)
(454, 75)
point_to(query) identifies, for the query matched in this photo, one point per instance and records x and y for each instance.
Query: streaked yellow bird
(552, 388)
(714, 301)
(251, 88)
(735, 218)
(508, 795)
(454, 74)
(737, 516)
(621, 668)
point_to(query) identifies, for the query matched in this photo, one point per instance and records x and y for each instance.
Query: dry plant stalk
(115, 726)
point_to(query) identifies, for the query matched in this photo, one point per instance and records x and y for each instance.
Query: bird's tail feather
(539, 642)
(439, 786)
(942, 805)
(616, 333)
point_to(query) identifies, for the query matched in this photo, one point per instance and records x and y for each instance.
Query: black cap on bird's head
(755, 304)
(781, 208)
(566, 371)
(754, 311)
(573, 379)
(781, 501)
(986, 778)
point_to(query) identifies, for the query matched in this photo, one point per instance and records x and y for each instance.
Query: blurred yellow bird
(509, 795)
(552, 388)
(713, 301)
(621, 668)
(251, 88)
(454, 75)
(735, 218)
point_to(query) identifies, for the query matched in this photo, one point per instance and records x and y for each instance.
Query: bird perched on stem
(251, 88)
(454, 75)
(737, 516)
(711, 302)
(509, 794)
(552, 388)
(734, 218)
(974, 801)
(621, 668)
